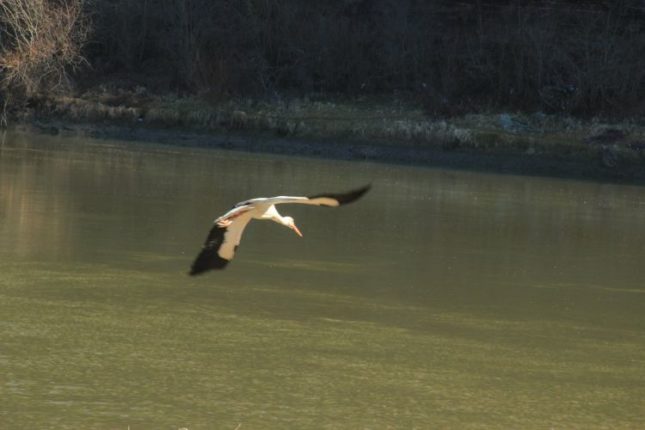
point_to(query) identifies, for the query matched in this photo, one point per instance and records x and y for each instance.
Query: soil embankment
(535, 144)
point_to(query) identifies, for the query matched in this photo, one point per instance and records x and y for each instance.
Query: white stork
(226, 233)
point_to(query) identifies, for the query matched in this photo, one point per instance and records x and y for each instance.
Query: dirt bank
(599, 163)
(380, 130)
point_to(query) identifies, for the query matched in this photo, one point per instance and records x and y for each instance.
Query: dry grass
(379, 122)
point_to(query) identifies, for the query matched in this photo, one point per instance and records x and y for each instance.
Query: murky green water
(441, 300)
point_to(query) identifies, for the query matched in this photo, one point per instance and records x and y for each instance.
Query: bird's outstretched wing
(224, 236)
(222, 241)
(324, 199)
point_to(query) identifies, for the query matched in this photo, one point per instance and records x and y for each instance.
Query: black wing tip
(357, 194)
(351, 196)
(207, 260)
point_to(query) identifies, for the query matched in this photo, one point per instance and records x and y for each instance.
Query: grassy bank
(612, 148)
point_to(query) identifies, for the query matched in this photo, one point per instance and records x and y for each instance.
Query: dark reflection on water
(443, 298)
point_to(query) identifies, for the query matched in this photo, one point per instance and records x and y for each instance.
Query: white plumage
(226, 233)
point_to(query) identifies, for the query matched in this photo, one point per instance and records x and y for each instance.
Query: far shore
(363, 130)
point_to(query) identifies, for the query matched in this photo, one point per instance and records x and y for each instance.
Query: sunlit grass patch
(377, 121)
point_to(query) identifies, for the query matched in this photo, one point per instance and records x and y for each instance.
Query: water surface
(443, 299)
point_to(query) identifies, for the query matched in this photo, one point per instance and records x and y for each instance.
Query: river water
(442, 299)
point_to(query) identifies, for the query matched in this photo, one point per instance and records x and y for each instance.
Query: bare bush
(41, 41)
(571, 56)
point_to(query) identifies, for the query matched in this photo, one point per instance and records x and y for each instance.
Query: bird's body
(226, 233)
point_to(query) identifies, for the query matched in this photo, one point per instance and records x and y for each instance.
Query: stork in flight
(226, 233)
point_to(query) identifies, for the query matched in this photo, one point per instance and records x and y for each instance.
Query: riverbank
(368, 130)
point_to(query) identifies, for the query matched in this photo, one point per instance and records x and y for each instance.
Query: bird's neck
(280, 219)
(274, 215)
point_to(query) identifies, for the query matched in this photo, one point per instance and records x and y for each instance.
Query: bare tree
(40, 40)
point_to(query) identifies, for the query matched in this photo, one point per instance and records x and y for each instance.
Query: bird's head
(289, 222)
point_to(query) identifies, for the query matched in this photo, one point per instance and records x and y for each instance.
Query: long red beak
(294, 228)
